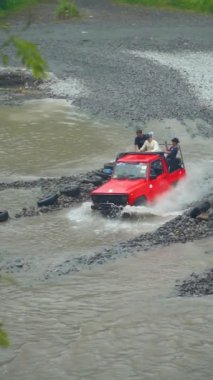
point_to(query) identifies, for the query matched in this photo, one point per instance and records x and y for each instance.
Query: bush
(200, 5)
(9, 5)
(196, 5)
(6, 4)
(67, 9)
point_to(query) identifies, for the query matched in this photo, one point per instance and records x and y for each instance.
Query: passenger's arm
(135, 144)
(143, 147)
(156, 147)
(167, 151)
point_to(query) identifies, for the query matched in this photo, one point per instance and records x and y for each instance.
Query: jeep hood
(119, 186)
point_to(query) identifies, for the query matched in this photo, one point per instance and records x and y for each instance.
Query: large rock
(17, 78)
(199, 209)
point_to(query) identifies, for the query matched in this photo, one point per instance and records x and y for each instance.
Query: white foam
(193, 188)
(69, 88)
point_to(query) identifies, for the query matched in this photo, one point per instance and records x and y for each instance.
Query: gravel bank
(85, 182)
(197, 284)
(117, 85)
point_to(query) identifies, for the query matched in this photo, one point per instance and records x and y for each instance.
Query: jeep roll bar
(122, 154)
(160, 153)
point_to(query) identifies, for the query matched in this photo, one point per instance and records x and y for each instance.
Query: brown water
(49, 138)
(119, 321)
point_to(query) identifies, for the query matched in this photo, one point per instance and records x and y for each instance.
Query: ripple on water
(123, 318)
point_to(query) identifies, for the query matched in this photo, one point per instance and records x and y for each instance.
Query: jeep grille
(119, 200)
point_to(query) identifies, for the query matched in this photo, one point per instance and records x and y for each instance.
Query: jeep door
(158, 179)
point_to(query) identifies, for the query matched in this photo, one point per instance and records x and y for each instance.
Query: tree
(25, 50)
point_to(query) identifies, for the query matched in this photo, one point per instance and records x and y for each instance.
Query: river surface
(120, 321)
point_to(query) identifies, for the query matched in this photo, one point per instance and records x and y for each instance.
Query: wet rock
(197, 284)
(50, 199)
(210, 224)
(203, 216)
(95, 180)
(27, 212)
(210, 214)
(17, 78)
(4, 215)
(16, 266)
(200, 208)
(70, 190)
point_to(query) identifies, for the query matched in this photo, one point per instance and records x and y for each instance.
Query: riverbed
(123, 318)
(50, 138)
(111, 72)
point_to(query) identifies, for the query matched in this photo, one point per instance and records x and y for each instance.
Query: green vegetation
(7, 6)
(67, 9)
(195, 5)
(5, 279)
(25, 50)
(30, 56)
(4, 341)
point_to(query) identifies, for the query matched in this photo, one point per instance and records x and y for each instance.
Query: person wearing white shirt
(150, 145)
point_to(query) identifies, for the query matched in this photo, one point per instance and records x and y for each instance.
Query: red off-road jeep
(137, 179)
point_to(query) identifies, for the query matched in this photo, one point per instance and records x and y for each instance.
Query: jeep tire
(141, 201)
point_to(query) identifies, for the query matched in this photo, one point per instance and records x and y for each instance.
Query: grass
(7, 280)
(67, 9)
(9, 6)
(194, 5)
(4, 341)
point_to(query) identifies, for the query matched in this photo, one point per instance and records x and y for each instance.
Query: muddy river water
(119, 321)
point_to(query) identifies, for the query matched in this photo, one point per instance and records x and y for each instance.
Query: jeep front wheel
(141, 201)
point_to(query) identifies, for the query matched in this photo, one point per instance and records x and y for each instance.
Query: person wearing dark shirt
(140, 139)
(171, 153)
(173, 150)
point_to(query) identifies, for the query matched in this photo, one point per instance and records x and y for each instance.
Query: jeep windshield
(133, 170)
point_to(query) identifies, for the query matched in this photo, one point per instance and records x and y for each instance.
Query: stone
(203, 216)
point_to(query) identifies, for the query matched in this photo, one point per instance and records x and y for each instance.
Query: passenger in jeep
(140, 139)
(173, 150)
(150, 145)
(172, 161)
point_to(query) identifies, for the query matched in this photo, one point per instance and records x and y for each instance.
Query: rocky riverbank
(197, 284)
(62, 187)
